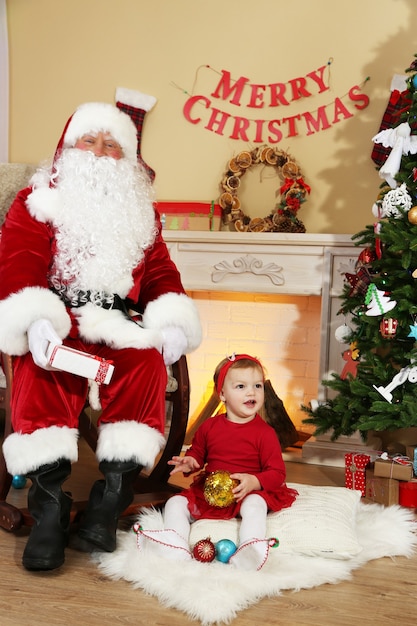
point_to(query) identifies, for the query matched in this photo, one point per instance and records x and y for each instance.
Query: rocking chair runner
(151, 489)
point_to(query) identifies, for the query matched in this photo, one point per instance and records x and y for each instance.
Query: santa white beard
(104, 222)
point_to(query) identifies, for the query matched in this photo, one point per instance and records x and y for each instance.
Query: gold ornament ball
(218, 489)
(412, 215)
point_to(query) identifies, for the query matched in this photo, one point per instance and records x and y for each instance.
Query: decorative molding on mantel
(286, 263)
(250, 264)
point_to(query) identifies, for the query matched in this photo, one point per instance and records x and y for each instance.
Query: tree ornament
(204, 550)
(366, 257)
(359, 281)
(351, 365)
(378, 303)
(388, 327)
(412, 215)
(402, 142)
(406, 373)
(396, 202)
(218, 489)
(342, 333)
(18, 481)
(225, 548)
(413, 331)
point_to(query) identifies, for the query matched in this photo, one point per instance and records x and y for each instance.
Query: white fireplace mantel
(276, 263)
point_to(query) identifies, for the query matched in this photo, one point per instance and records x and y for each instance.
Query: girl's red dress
(249, 448)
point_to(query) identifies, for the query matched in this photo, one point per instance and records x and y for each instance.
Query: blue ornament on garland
(225, 548)
(19, 482)
(414, 81)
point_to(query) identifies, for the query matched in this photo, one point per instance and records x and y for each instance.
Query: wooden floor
(383, 592)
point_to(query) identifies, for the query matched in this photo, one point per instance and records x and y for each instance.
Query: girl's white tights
(177, 516)
(173, 541)
(253, 546)
(253, 513)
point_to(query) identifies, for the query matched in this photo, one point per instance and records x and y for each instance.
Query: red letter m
(224, 89)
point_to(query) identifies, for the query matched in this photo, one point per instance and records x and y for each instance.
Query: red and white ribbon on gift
(398, 458)
(103, 368)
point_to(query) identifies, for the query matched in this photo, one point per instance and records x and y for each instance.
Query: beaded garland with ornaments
(293, 192)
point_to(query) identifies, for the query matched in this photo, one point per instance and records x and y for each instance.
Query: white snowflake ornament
(394, 201)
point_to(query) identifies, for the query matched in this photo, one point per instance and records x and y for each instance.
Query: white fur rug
(342, 534)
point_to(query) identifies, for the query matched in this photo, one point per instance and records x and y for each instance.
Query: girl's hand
(247, 484)
(183, 464)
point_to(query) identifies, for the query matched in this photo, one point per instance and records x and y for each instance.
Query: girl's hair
(236, 361)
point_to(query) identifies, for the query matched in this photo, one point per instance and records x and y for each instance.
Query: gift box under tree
(355, 465)
(381, 490)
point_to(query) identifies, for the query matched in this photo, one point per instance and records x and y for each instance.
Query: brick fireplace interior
(283, 331)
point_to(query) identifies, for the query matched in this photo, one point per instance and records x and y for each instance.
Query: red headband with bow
(230, 361)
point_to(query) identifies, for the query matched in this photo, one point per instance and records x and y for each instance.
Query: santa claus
(81, 248)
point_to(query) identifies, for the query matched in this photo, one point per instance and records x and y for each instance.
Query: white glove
(40, 334)
(174, 344)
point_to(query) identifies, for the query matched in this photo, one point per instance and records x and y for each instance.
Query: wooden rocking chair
(151, 489)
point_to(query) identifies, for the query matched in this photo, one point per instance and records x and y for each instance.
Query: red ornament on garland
(204, 550)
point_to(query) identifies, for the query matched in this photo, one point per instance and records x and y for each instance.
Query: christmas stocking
(399, 100)
(136, 105)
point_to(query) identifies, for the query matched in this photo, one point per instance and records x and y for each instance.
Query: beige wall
(66, 52)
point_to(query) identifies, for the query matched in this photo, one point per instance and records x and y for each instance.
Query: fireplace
(274, 295)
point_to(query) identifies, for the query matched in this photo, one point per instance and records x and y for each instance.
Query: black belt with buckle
(84, 297)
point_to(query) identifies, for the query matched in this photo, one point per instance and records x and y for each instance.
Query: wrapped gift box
(408, 494)
(80, 363)
(381, 490)
(390, 468)
(355, 465)
(411, 452)
(190, 215)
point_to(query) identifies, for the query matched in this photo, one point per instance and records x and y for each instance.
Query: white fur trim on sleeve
(26, 453)
(175, 309)
(127, 440)
(19, 310)
(111, 327)
(134, 98)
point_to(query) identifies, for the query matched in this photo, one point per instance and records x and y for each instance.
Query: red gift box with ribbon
(355, 464)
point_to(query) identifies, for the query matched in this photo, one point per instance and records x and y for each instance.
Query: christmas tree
(377, 388)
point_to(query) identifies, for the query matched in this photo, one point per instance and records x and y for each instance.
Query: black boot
(108, 499)
(50, 509)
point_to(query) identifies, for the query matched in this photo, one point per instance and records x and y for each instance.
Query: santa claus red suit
(80, 249)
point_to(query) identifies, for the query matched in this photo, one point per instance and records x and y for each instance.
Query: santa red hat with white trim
(124, 122)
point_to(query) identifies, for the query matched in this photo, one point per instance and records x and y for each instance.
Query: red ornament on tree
(388, 327)
(204, 550)
(366, 257)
